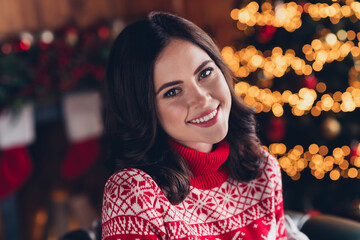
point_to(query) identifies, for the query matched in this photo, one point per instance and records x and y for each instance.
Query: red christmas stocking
(79, 158)
(15, 168)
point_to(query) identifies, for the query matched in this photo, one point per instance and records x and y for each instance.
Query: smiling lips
(207, 119)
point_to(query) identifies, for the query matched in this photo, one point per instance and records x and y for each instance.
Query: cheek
(169, 114)
(223, 91)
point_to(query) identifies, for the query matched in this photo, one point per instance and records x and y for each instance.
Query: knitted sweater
(217, 207)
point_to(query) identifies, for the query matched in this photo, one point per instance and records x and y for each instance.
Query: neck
(207, 167)
(200, 147)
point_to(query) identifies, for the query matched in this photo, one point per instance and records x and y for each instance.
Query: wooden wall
(36, 15)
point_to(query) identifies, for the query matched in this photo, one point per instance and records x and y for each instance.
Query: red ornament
(355, 149)
(6, 48)
(25, 45)
(276, 129)
(103, 32)
(265, 33)
(309, 82)
(43, 45)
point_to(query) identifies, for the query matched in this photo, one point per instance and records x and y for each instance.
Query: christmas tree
(298, 65)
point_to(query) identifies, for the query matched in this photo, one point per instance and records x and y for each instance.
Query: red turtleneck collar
(207, 168)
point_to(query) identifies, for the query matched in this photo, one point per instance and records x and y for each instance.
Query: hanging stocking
(79, 158)
(16, 132)
(15, 168)
(82, 113)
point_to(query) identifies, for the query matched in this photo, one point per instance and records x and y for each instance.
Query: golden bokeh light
(323, 150)
(353, 173)
(313, 148)
(334, 174)
(321, 87)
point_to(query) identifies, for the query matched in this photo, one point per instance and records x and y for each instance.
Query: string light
(334, 11)
(295, 160)
(273, 63)
(249, 59)
(288, 15)
(302, 103)
(319, 52)
(328, 48)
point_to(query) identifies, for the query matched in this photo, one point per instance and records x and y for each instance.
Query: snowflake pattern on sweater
(134, 207)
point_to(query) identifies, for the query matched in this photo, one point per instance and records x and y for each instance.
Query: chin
(219, 136)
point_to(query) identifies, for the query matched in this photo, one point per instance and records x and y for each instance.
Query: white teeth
(205, 118)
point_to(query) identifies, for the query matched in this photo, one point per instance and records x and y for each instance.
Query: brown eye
(172, 92)
(205, 73)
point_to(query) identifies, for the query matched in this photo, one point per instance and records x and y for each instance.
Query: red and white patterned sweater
(217, 207)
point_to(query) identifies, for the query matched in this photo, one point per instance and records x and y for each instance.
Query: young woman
(188, 162)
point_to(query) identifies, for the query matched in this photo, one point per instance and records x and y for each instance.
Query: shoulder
(129, 192)
(131, 176)
(270, 167)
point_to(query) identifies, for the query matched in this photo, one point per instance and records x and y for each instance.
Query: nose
(198, 96)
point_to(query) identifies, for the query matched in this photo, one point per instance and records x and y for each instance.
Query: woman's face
(192, 97)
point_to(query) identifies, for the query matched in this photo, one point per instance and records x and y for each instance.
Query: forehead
(178, 47)
(179, 57)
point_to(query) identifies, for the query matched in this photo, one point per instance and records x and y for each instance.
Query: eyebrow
(169, 84)
(201, 66)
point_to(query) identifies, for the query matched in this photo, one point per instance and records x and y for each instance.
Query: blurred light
(234, 14)
(344, 165)
(293, 99)
(307, 70)
(25, 45)
(27, 36)
(307, 49)
(321, 87)
(331, 39)
(341, 34)
(323, 150)
(313, 148)
(256, 60)
(286, 95)
(315, 111)
(71, 36)
(103, 32)
(296, 176)
(346, 150)
(336, 107)
(277, 110)
(338, 153)
(351, 35)
(47, 37)
(316, 44)
(337, 96)
(6, 48)
(357, 162)
(352, 173)
(355, 51)
(317, 66)
(334, 175)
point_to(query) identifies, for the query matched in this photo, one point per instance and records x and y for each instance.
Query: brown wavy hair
(134, 135)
